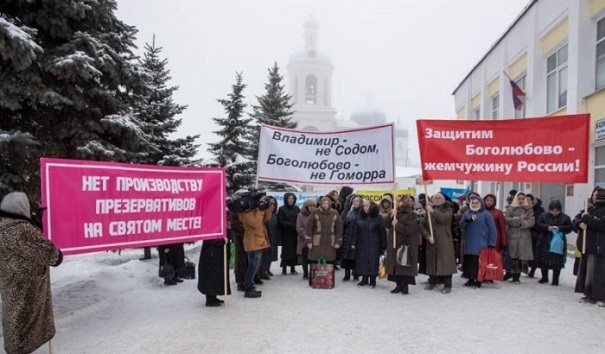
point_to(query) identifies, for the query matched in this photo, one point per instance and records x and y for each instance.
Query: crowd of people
(436, 236)
(441, 236)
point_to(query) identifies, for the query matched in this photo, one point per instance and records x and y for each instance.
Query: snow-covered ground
(110, 303)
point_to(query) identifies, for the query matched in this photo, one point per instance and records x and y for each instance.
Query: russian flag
(518, 95)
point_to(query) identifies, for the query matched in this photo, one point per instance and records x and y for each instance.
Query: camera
(249, 200)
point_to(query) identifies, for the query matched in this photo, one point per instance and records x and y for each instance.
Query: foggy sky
(402, 57)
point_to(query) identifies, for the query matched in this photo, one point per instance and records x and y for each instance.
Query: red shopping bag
(490, 265)
(322, 275)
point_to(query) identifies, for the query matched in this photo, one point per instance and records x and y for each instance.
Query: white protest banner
(355, 156)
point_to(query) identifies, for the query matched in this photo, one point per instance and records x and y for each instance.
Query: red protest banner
(550, 149)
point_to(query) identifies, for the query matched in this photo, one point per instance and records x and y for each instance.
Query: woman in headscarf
(286, 217)
(591, 273)
(480, 233)
(27, 310)
(520, 219)
(407, 232)
(370, 241)
(552, 221)
(323, 233)
(347, 251)
(309, 206)
(440, 255)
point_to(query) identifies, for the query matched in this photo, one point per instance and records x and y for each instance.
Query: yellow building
(555, 51)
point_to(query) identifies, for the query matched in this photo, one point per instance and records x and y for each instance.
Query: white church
(310, 85)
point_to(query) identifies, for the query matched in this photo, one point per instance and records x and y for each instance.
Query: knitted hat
(555, 204)
(16, 203)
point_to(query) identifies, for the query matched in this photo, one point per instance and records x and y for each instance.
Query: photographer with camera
(253, 211)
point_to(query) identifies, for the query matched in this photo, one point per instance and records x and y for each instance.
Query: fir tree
(68, 80)
(158, 115)
(231, 151)
(274, 108)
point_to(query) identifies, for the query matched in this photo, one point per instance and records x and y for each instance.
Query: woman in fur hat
(27, 310)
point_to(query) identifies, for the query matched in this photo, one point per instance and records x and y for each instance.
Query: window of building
(521, 83)
(495, 106)
(556, 80)
(600, 54)
(599, 168)
(477, 113)
(311, 89)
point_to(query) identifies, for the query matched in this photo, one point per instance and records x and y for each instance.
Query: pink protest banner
(98, 206)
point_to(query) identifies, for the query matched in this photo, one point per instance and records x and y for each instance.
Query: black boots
(364, 281)
(283, 270)
(532, 273)
(252, 294)
(401, 288)
(397, 289)
(213, 301)
(544, 278)
(347, 275)
(555, 277)
(372, 282)
(293, 270)
(516, 277)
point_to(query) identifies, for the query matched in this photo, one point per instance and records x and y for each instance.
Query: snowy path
(106, 303)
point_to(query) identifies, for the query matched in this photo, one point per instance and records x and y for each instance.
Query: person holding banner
(369, 242)
(286, 217)
(591, 273)
(520, 219)
(27, 310)
(324, 233)
(211, 271)
(407, 232)
(440, 255)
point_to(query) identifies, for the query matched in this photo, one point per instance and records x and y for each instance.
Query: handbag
(490, 265)
(188, 272)
(322, 274)
(556, 242)
(382, 270)
(403, 256)
(166, 271)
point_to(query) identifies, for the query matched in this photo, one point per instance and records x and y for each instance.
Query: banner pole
(426, 193)
(50, 347)
(584, 231)
(225, 270)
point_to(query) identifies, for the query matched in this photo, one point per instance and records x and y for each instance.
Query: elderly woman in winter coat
(553, 220)
(27, 310)
(591, 272)
(323, 233)
(353, 206)
(369, 241)
(286, 217)
(480, 233)
(440, 255)
(309, 207)
(520, 219)
(407, 232)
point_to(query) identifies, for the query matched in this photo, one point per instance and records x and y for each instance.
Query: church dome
(369, 116)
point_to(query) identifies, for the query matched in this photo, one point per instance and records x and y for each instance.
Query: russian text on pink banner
(96, 206)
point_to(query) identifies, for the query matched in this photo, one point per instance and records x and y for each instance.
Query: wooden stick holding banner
(429, 214)
(584, 231)
(225, 269)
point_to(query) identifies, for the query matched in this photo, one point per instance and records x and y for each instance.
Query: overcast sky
(405, 56)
